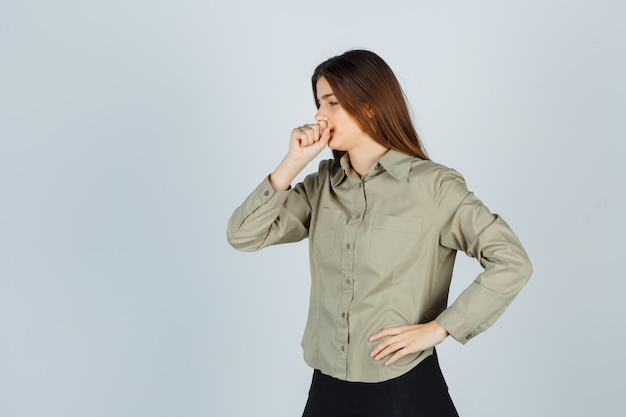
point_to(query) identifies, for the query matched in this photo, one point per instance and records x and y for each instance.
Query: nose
(321, 117)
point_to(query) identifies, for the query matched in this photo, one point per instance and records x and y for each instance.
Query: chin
(334, 146)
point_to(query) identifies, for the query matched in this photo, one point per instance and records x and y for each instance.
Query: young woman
(384, 224)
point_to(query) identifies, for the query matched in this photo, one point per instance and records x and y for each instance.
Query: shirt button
(343, 315)
(343, 348)
(267, 193)
(348, 281)
(358, 185)
(348, 246)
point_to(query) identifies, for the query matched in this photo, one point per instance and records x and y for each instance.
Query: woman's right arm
(273, 213)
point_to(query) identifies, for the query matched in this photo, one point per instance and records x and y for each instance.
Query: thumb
(325, 137)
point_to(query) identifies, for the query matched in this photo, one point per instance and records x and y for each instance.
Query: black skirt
(420, 392)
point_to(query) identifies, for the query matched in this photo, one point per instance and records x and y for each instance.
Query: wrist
(285, 173)
(440, 330)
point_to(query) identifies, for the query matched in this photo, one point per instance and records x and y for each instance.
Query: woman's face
(345, 133)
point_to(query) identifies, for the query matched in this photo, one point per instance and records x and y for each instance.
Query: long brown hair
(369, 91)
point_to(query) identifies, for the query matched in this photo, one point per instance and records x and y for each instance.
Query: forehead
(323, 89)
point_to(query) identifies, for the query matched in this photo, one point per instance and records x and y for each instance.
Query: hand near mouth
(305, 143)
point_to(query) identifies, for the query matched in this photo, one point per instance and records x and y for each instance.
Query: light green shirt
(382, 249)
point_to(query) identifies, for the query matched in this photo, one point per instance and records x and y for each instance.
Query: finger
(323, 124)
(304, 136)
(379, 335)
(316, 133)
(325, 137)
(299, 134)
(389, 349)
(389, 331)
(312, 133)
(399, 354)
(380, 347)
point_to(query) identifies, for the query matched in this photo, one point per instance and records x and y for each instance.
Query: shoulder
(328, 165)
(438, 175)
(445, 186)
(327, 169)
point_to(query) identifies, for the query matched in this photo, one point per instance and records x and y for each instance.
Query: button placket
(349, 255)
(349, 245)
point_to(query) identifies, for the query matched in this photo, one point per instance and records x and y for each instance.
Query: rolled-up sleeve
(470, 227)
(269, 216)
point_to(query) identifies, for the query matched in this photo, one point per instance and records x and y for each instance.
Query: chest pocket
(394, 240)
(324, 237)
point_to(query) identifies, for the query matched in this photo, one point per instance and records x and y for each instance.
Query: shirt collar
(340, 174)
(396, 163)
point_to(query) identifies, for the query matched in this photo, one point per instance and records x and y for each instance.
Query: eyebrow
(325, 96)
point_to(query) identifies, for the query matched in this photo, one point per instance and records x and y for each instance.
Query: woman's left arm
(467, 225)
(470, 227)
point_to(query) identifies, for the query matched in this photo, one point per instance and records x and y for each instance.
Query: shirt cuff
(266, 194)
(456, 326)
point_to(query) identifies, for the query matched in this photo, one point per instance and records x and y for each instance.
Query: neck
(363, 159)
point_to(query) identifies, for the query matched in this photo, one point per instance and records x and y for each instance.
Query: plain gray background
(130, 130)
